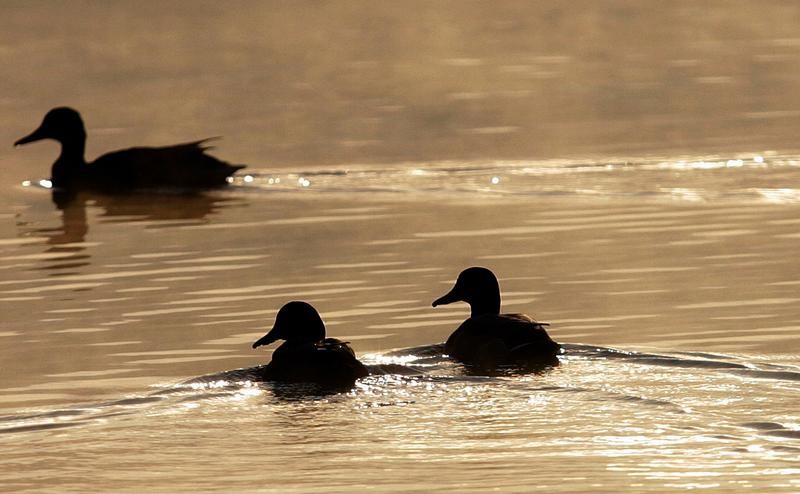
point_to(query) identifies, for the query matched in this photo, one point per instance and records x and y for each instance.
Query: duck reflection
(150, 206)
(70, 237)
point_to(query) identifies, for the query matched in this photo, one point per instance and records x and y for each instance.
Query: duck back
(182, 166)
(489, 340)
(327, 362)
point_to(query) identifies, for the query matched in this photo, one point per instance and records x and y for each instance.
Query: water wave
(406, 369)
(756, 177)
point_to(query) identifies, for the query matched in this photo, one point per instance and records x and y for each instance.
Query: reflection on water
(769, 179)
(68, 247)
(629, 170)
(694, 301)
(609, 406)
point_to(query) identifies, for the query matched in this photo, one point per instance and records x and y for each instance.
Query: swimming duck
(489, 339)
(183, 166)
(306, 354)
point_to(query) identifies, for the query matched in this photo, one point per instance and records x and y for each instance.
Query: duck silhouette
(183, 166)
(307, 356)
(488, 339)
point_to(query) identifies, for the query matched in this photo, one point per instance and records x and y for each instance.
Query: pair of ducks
(486, 340)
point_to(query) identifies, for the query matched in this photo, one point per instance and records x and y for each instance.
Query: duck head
(65, 126)
(296, 322)
(61, 124)
(479, 288)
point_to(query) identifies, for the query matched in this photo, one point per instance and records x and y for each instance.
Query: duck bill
(36, 135)
(268, 338)
(448, 298)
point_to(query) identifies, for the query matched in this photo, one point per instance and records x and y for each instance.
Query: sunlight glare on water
(673, 408)
(629, 171)
(395, 430)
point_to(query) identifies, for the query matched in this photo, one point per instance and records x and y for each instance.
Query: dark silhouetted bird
(182, 166)
(489, 339)
(307, 356)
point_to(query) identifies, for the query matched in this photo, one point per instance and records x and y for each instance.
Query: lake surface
(630, 173)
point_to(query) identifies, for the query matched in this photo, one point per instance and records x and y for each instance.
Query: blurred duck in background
(182, 166)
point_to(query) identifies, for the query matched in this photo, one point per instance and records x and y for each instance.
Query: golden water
(629, 173)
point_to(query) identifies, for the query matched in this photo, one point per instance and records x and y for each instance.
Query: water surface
(630, 173)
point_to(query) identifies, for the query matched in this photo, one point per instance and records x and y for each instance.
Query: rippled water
(676, 301)
(630, 172)
(600, 417)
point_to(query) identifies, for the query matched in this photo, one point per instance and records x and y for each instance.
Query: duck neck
(489, 306)
(70, 162)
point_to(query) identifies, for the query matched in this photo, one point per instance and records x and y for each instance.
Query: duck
(306, 355)
(489, 339)
(183, 166)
